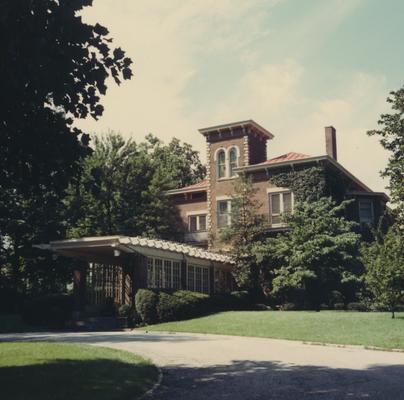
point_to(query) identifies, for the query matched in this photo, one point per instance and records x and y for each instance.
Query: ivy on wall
(310, 184)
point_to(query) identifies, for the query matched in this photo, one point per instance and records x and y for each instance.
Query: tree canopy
(121, 189)
(384, 268)
(54, 69)
(317, 255)
(391, 133)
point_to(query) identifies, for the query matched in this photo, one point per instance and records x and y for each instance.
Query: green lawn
(338, 327)
(51, 371)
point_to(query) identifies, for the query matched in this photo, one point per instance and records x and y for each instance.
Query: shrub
(357, 307)
(169, 307)
(324, 307)
(194, 304)
(124, 311)
(238, 300)
(288, 307)
(335, 297)
(146, 305)
(52, 310)
(262, 307)
(128, 312)
(339, 306)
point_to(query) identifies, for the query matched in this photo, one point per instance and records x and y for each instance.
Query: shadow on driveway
(248, 380)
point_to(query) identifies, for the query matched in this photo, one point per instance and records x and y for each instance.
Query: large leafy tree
(384, 263)
(317, 255)
(391, 133)
(54, 69)
(246, 229)
(122, 187)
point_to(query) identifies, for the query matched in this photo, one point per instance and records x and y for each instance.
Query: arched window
(232, 161)
(221, 164)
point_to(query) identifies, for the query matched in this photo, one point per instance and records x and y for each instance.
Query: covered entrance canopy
(112, 268)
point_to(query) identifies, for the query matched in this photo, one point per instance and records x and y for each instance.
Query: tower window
(232, 161)
(221, 164)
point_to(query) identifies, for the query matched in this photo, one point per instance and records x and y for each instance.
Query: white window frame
(226, 171)
(227, 163)
(219, 200)
(372, 213)
(151, 281)
(281, 192)
(197, 216)
(229, 150)
(202, 267)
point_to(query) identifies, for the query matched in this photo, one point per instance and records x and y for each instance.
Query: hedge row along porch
(115, 267)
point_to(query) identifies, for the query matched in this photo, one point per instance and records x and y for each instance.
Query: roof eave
(206, 131)
(183, 191)
(263, 166)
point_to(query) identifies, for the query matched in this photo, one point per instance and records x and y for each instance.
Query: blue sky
(294, 66)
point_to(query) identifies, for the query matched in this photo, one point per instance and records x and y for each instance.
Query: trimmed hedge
(161, 306)
(52, 310)
(146, 305)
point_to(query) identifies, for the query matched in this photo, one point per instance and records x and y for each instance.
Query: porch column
(79, 285)
(183, 275)
(211, 279)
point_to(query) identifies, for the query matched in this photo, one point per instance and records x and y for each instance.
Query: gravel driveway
(211, 367)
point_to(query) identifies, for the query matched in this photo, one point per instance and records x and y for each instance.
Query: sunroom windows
(198, 278)
(163, 274)
(280, 205)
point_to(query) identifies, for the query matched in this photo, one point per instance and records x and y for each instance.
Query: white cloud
(168, 40)
(163, 39)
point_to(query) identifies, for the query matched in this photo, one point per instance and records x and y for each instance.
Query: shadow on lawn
(64, 379)
(271, 380)
(98, 337)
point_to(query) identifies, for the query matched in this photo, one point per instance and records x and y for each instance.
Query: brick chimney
(331, 142)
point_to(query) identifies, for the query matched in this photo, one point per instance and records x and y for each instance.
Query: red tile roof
(201, 184)
(283, 158)
(286, 157)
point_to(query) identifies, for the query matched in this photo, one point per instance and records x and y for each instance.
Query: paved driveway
(211, 367)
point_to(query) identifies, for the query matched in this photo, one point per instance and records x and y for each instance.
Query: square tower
(229, 146)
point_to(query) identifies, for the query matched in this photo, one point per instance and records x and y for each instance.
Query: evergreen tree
(246, 228)
(317, 255)
(384, 263)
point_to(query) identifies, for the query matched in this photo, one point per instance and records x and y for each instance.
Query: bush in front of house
(52, 310)
(339, 306)
(357, 307)
(181, 304)
(164, 305)
(128, 316)
(146, 305)
(288, 307)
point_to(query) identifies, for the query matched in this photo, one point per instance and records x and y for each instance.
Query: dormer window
(221, 164)
(232, 161)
